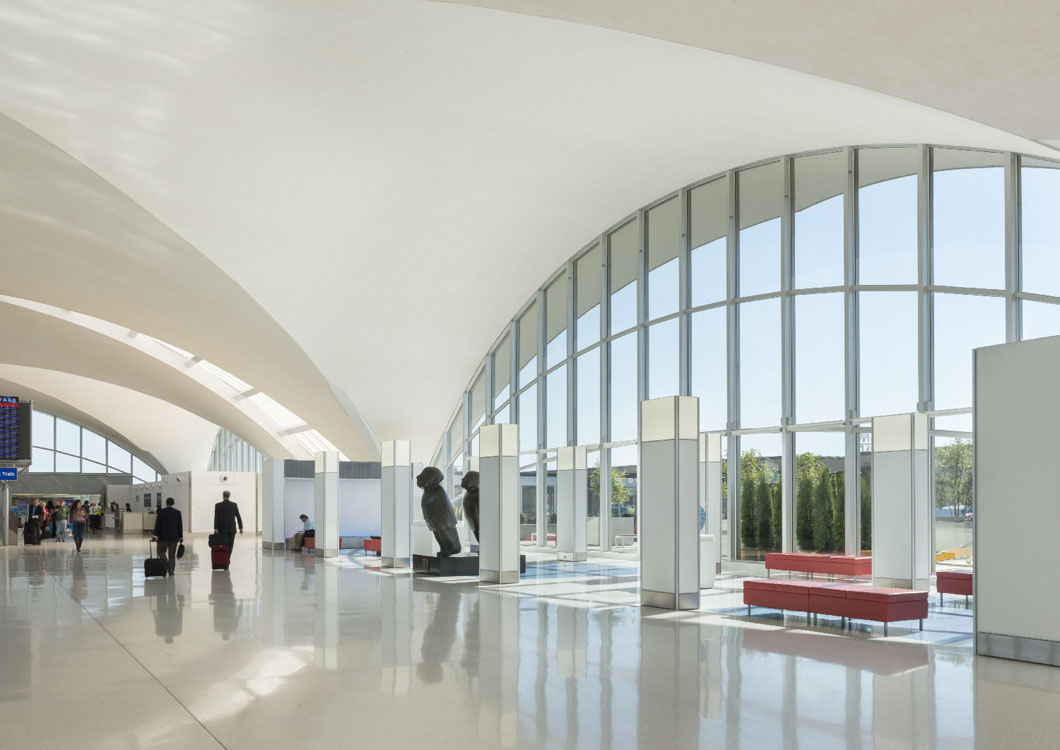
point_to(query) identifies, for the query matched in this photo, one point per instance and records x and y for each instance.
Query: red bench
(832, 565)
(848, 601)
(954, 582)
(373, 545)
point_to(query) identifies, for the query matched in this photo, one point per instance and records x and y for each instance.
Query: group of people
(55, 520)
(169, 528)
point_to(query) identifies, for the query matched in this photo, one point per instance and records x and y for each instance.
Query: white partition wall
(572, 503)
(901, 502)
(272, 504)
(1017, 511)
(499, 503)
(396, 503)
(710, 488)
(669, 503)
(326, 503)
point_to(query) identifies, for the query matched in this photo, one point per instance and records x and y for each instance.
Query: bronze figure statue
(437, 511)
(470, 485)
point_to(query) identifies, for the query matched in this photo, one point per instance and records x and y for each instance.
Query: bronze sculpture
(470, 485)
(437, 511)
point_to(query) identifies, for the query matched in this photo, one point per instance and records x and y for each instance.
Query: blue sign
(8, 475)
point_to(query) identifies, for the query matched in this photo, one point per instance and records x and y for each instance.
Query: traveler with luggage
(169, 532)
(60, 516)
(226, 518)
(79, 521)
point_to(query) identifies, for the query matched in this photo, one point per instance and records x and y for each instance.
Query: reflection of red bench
(833, 565)
(954, 582)
(853, 601)
(373, 545)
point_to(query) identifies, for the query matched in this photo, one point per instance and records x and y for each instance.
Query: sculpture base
(457, 565)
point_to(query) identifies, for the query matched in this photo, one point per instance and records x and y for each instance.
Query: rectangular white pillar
(572, 503)
(396, 499)
(326, 505)
(710, 489)
(901, 502)
(273, 486)
(669, 503)
(499, 503)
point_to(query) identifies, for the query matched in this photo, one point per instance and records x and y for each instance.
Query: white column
(273, 485)
(669, 503)
(326, 506)
(396, 511)
(572, 503)
(499, 503)
(901, 501)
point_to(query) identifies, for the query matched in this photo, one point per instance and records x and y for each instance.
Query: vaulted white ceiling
(344, 202)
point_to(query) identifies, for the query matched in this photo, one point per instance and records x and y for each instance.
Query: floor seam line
(144, 668)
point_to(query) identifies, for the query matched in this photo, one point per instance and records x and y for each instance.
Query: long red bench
(954, 582)
(848, 601)
(807, 562)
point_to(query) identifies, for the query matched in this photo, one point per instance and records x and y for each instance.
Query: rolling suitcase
(214, 540)
(220, 557)
(154, 566)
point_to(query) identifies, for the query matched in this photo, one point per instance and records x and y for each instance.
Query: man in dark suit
(169, 531)
(225, 517)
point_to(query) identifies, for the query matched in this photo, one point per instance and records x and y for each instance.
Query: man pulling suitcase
(225, 520)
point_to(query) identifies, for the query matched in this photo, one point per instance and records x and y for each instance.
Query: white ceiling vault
(343, 203)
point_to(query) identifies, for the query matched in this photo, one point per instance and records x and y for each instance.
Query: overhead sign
(9, 428)
(8, 475)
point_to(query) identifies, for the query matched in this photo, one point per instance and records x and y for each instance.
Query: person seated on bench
(308, 532)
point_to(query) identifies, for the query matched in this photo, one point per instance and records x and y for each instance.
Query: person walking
(34, 523)
(79, 520)
(169, 533)
(49, 519)
(225, 518)
(61, 514)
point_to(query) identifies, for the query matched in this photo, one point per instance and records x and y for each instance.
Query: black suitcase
(154, 566)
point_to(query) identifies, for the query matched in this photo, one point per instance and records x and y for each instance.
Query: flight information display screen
(9, 428)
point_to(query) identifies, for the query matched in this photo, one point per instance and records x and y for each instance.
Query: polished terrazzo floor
(286, 651)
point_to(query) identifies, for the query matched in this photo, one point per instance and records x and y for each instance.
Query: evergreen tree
(822, 513)
(777, 519)
(764, 516)
(838, 511)
(866, 516)
(748, 519)
(804, 514)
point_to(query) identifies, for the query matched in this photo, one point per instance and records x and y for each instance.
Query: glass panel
(43, 460)
(760, 403)
(709, 216)
(622, 258)
(819, 185)
(503, 416)
(760, 206)
(760, 488)
(528, 419)
(624, 518)
(819, 347)
(709, 377)
(1040, 227)
(888, 367)
(550, 503)
(664, 359)
(528, 493)
(865, 478)
(962, 322)
(593, 528)
(43, 430)
(502, 371)
(90, 467)
(142, 471)
(887, 215)
(623, 376)
(456, 436)
(588, 403)
(67, 437)
(528, 346)
(587, 297)
(664, 244)
(556, 408)
(93, 446)
(1039, 319)
(66, 464)
(820, 506)
(556, 322)
(953, 502)
(969, 218)
(118, 459)
(478, 401)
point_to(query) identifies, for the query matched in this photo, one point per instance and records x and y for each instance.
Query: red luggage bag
(220, 557)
